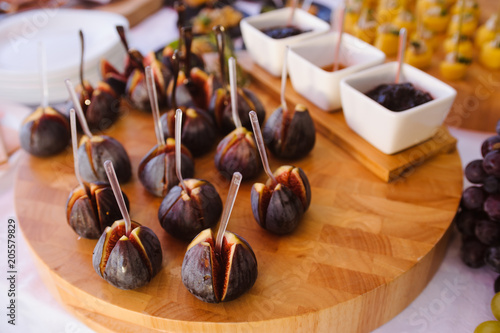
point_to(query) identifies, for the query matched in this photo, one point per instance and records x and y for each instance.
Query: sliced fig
(185, 214)
(45, 132)
(218, 276)
(127, 261)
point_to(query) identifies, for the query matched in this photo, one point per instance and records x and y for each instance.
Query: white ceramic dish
(269, 52)
(307, 58)
(58, 29)
(390, 131)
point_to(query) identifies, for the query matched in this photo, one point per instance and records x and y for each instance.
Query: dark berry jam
(399, 96)
(283, 32)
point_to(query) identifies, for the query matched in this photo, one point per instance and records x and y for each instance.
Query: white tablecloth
(456, 300)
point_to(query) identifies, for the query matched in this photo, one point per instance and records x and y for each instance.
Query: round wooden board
(364, 250)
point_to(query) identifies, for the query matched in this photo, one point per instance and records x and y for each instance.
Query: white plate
(58, 29)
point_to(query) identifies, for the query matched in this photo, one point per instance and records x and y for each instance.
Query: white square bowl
(390, 131)
(307, 58)
(269, 52)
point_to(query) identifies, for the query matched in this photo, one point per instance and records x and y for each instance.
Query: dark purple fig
(136, 89)
(127, 261)
(214, 276)
(45, 132)
(198, 129)
(93, 152)
(91, 209)
(290, 134)
(196, 59)
(238, 152)
(279, 207)
(101, 106)
(185, 214)
(116, 80)
(157, 168)
(193, 90)
(220, 108)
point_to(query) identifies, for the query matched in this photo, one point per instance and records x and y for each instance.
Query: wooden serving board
(333, 126)
(363, 251)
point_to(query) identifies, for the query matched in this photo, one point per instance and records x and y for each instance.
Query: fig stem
(340, 13)
(82, 51)
(187, 33)
(284, 74)
(234, 92)
(180, 9)
(78, 108)
(260, 145)
(175, 67)
(121, 32)
(228, 208)
(153, 100)
(178, 154)
(42, 55)
(401, 52)
(115, 185)
(292, 14)
(219, 39)
(74, 142)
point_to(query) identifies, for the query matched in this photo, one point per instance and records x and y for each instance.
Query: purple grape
(466, 221)
(492, 206)
(487, 145)
(472, 252)
(491, 163)
(492, 258)
(474, 172)
(473, 197)
(491, 184)
(488, 232)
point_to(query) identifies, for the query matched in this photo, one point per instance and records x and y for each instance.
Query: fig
(279, 205)
(157, 168)
(44, 132)
(127, 255)
(92, 208)
(220, 103)
(220, 267)
(213, 276)
(290, 134)
(193, 205)
(100, 105)
(116, 80)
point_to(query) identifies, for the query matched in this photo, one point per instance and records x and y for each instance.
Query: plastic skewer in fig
(228, 208)
(42, 56)
(284, 74)
(153, 99)
(260, 145)
(78, 108)
(292, 14)
(178, 154)
(219, 36)
(82, 48)
(401, 52)
(113, 181)
(234, 92)
(175, 65)
(340, 13)
(74, 142)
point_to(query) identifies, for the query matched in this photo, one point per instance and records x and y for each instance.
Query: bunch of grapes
(478, 218)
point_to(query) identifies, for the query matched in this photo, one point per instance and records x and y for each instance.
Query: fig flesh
(127, 261)
(238, 152)
(290, 134)
(91, 209)
(157, 169)
(45, 132)
(93, 152)
(279, 207)
(218, 276)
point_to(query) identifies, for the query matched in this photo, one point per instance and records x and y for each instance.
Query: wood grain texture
(333, 126)
(364, 250)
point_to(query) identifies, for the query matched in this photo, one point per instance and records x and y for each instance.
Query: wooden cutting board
(363, 251)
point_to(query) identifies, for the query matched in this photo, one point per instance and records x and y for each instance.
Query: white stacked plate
(58, 30)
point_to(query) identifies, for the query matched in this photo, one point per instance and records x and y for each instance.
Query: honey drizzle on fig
(228, 208)
(153, 100)
(115, 185)
(78, 108)
(178, 155)
(340, 13)
(85, 94)
(260, 145)
(234, 92)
